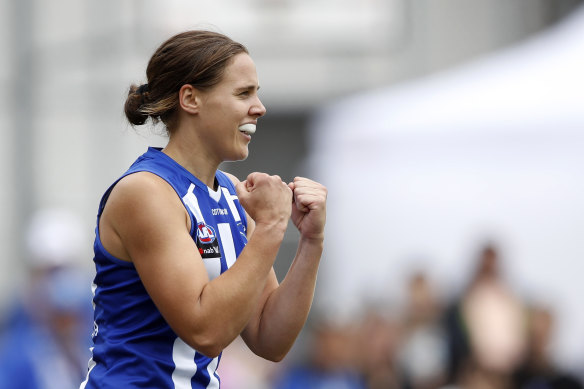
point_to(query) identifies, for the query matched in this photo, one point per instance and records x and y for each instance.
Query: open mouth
(248, 128)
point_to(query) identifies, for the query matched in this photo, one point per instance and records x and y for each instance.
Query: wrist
(317, 239)
(271, 228)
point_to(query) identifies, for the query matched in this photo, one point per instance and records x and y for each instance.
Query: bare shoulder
(143, 194)
(233, 179)
(141, 182)
(137, 207)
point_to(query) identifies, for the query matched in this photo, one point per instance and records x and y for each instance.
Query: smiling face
(227, 106)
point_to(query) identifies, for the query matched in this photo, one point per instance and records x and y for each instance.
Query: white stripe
(93, 290)
(227, 243)
(215, 194)
(191, 201)
(229, 197)
(90, 366)
(213, 267)
(211, 369)
(184, 361)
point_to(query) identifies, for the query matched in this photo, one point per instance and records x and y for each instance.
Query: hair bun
(137, 95)
(142, 89)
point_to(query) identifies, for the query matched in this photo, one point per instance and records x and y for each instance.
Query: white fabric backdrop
(422, 173)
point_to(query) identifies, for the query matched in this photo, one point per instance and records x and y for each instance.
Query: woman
(183, 251)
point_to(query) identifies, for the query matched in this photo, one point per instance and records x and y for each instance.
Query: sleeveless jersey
(133, 346)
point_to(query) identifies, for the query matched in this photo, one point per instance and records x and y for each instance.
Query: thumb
(242, 188)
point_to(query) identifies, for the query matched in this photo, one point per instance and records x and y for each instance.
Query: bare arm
(283, 309)
(144, 222)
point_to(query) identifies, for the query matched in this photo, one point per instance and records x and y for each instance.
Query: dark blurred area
(44, 339)
(485, 337)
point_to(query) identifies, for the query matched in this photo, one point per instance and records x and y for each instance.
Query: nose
(257, 109)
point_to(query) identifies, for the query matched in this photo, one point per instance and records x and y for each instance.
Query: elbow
(208, 345)
(276, 357)
(211, 351)
(273, 354)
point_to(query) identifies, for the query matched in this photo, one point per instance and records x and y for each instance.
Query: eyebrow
(247, 88)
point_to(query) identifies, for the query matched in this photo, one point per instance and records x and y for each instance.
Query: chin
(245, 154)
(240, 157)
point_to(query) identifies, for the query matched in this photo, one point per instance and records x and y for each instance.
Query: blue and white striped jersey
(133, 346)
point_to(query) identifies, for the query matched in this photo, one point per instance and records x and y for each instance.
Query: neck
(192, 157)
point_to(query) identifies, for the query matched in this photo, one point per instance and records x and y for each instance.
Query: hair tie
(142, 89)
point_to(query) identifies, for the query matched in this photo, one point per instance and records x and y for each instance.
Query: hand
(265, 198)
(309, 207)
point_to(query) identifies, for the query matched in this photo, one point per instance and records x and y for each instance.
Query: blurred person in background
(538, 370)
(376, 349)
(423, 339)
(44, 341)
(184, 252)
(331, 360)
(487, 326)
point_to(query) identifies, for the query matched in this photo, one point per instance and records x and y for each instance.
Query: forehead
(240, 70)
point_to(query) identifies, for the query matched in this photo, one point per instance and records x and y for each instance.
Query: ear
(189, 99)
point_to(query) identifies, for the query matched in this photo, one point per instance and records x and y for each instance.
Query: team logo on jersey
(205, 233)
(207, 241)
(242, 232)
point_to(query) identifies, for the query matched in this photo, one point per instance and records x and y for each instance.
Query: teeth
(248, 128)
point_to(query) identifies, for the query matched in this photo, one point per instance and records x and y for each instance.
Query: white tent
(420, 174)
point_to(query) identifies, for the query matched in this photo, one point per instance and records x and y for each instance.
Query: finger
(309, 191)
(306, 186)
(300, 206)
(247, 185)
(310, 201)
(241, 185)
(302, 182)
(256, 176)
(292, 186)
(250, 180)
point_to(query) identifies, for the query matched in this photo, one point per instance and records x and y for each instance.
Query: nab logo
(205, 233)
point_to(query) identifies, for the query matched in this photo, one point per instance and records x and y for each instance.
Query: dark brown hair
(194, 57)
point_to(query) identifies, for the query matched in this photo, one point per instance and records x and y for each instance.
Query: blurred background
(449, 134)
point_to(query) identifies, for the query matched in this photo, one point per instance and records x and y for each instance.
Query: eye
(244, 93)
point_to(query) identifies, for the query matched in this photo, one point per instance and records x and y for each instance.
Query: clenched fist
(265, 198)
(309, 207)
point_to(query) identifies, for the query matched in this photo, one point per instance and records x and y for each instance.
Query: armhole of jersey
(98, 245)
(109, 190)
